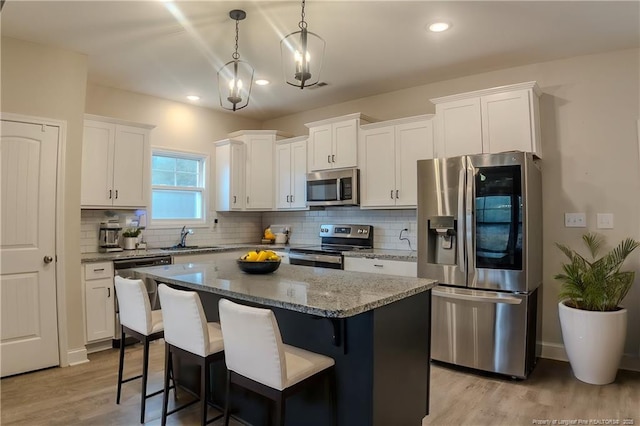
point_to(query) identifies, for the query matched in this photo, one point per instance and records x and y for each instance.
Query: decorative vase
(130, 243)
(594, 341)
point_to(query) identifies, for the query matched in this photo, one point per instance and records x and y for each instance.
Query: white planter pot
(130, 243)
(594, 342)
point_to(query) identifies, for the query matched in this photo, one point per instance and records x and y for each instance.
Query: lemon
(262, 256)
(274, 257)
(251, 256)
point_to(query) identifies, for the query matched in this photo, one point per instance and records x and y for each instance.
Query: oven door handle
(315, 257)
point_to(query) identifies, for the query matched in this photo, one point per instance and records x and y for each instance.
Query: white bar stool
(188, 334)
(137, 320)
(257, 359)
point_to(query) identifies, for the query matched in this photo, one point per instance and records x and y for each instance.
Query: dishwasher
(122, 268)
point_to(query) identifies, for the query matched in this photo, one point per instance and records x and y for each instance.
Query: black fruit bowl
(264, 267)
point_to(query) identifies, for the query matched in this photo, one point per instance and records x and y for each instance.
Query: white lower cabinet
(99, 301)
(381, 266)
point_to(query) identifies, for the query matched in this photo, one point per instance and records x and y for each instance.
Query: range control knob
(365, 231)
(359, 231)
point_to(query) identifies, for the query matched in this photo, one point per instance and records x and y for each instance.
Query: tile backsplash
(232, 227)
(247, 227)
(387, 224)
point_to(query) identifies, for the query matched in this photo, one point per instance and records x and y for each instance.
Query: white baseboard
(77, 356)
(557, 352)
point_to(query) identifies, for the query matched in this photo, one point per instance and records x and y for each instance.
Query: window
(178, 190)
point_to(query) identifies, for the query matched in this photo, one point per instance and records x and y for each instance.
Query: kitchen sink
(189, 247)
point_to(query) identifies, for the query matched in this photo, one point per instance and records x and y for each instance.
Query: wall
(51, 83)
(589, 112)
(182, 127)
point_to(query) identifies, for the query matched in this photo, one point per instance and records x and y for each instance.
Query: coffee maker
(108, 237)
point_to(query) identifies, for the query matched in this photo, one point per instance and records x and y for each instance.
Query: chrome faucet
(183, 236)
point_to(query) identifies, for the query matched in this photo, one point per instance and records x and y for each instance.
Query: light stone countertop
(401, 255)
(156, 252)
(323, 292)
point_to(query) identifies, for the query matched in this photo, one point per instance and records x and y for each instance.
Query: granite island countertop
(323, 292)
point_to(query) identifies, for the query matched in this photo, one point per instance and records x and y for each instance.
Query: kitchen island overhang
(376, 327)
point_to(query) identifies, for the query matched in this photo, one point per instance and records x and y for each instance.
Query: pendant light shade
(302, 53)
(236, 76)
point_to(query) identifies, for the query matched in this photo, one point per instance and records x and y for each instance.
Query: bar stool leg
(280, 409)
(120, 365)
(333, 396)
(204, 371)
(165, 396)
(227, 401)
(145, 372)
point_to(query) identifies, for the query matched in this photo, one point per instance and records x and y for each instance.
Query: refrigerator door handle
(469, 216)
(461, 223)
(477, 296)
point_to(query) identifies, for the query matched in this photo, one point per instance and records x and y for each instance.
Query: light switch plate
(605, 220)
(575, 220)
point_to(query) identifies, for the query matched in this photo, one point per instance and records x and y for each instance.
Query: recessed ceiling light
(438, 27)
(193, 98)
(262, 82)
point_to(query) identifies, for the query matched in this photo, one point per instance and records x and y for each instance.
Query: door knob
(48, 259)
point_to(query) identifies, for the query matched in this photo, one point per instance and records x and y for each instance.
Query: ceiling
(170, 49)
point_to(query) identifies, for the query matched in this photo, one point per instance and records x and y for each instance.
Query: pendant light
(235, 77)
(302, 54)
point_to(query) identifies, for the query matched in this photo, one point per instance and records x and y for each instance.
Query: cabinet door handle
(397, 193)
(116, 194)
(333, 158)
(108, 292)
(292, 198)
(391, 194)
(247, 200)
(287, 198)
(110, 194)
(379, 266)
(99, 270)
(234, 199)
(328, 158)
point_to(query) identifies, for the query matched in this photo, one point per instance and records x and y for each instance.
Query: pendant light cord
(235, 55)
(302, 24)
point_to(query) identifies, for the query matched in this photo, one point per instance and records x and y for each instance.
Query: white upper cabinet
(230, 172)
(251, 165)
(333, 143)
(388, 153)
(494, 120)
(115, 163)
(291, 173)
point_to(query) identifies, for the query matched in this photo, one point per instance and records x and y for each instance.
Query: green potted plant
(130, 237)
(593, 322)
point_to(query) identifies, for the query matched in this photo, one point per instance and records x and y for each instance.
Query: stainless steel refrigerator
(480, 236)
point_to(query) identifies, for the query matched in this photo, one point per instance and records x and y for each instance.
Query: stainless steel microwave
(333, 188)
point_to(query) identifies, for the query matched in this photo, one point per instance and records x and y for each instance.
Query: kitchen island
(375, 327)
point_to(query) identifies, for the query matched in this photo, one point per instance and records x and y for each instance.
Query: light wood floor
(85, 395)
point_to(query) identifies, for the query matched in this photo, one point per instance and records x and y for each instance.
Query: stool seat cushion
(156, 321)
(302, 364)
(215, 337)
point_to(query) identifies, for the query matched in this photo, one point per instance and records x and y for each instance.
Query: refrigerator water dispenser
(442, 241)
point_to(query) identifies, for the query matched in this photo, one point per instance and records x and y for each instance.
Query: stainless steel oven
(333, 188)
(335, 240)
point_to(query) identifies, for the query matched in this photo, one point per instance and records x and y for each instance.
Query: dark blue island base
(382, 366)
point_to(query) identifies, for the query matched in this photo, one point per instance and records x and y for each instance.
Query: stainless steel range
(335, 240)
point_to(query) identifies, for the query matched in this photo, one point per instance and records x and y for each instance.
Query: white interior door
(29, 332)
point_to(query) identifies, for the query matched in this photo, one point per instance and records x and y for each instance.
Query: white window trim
(170, 223)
